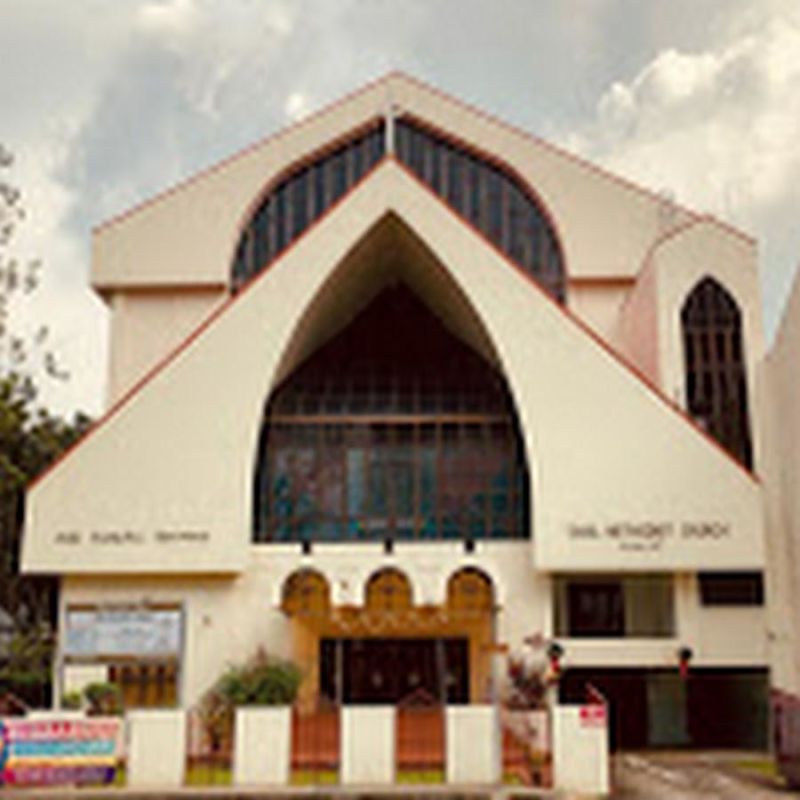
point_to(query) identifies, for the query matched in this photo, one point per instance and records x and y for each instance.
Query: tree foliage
(30, 439)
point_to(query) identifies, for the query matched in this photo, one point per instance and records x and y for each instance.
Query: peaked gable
(619, 480)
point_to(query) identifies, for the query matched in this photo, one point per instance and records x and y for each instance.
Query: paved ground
(697, 776)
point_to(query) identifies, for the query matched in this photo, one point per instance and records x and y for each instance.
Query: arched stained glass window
(393, 430)
(301, 197)
(716, 377)
(488, 196)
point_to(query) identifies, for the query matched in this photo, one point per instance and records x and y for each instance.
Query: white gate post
(262, 745)
(473, 744)
(369, 747)
(156, 747)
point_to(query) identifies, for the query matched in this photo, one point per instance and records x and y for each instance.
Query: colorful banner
(58, 751)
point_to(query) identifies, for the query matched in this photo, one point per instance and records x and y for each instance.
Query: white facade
(155, 505)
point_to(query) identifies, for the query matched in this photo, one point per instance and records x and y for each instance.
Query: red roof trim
(579, 160)
(618, 357)
(397, 74)
(245, 151)
(173, 354)
(161, 365)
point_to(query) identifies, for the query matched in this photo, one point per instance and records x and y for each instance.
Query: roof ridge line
(230, 301)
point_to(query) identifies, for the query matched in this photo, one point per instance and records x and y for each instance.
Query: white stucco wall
(187, 235)
(610, 231)
(619, 479)
(147, 325)
(780, 422)
(227, 619)
(368, 744)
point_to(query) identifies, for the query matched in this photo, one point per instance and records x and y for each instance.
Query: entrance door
(387, 671)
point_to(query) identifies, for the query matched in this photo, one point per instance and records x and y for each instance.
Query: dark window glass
(634, 606)
(382, 436)
(731, 588)
(281, 239)
(489, 197)
(716, 380)
(339, 173)
(455, 181)
(300, 204)
(299, 199)
(595, 609)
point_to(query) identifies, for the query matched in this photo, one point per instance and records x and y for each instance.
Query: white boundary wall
(262, 746)
(156, 748)
(368, 744)
(472, 735)
(580, 749)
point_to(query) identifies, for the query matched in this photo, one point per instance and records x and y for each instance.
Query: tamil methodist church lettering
(649, 535)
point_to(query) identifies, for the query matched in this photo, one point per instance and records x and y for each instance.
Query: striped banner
(58, 751)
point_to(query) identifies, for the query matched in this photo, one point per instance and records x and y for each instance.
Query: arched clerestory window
(482, 190)
(489, 196)
(716, 375)
(303, 194)
(394, 429)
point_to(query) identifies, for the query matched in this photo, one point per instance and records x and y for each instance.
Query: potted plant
(103, 699)
(72, 701)
(250, 704)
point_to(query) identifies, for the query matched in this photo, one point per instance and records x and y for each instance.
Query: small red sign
(593, 716)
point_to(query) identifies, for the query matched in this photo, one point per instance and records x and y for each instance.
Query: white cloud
(168, 17)
(297, 105)
(108, 103)
(719, 129)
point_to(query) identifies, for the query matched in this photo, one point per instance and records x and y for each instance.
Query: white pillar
(262, 746)
(368, 735)
(580, 749)
(473, 745)
(156, 747)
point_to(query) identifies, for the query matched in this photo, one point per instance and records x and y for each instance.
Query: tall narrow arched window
(716, 376)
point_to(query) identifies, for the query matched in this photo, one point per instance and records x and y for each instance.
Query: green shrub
(103, 699)
(262, 680)
(72, 701)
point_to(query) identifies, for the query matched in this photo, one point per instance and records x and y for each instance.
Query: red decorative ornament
(554, 653)
(555, 666)
(684, 657)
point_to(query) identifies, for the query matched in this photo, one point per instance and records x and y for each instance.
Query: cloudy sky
(105, 102)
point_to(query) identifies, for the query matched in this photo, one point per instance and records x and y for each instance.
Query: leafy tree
(30, 439)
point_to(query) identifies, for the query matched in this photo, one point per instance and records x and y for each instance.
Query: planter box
(473, 745)
(156, 748)
(262, 738)
(580, 749)
(368, 736)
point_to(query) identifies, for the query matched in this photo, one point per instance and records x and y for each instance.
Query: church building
(400, 389)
